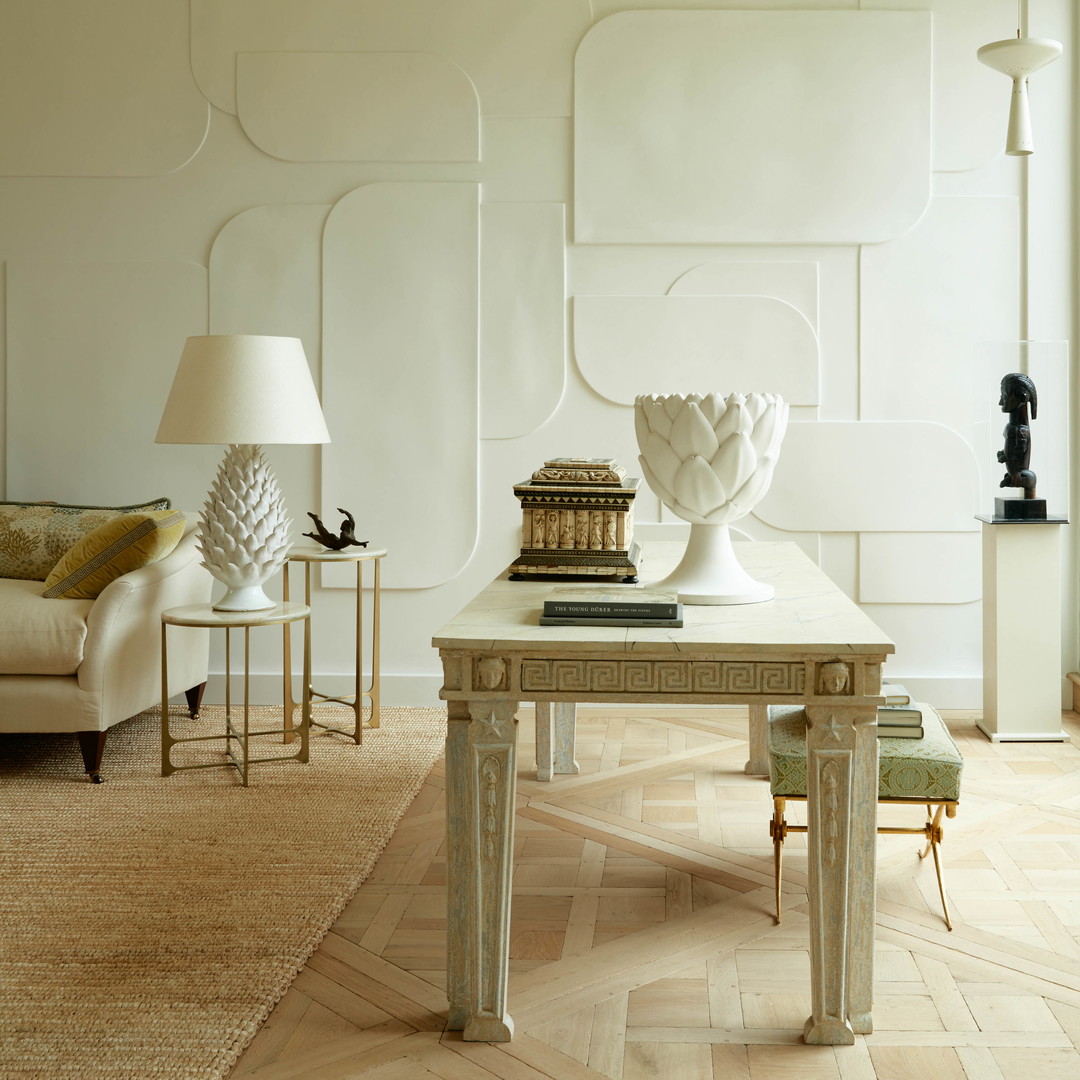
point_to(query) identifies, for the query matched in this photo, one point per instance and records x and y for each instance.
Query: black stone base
(1020, 509)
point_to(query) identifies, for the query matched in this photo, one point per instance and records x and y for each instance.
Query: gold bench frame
(932, 830)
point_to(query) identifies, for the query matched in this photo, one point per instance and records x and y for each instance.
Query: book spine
(899, 731)
(570, 620)
(611, 611)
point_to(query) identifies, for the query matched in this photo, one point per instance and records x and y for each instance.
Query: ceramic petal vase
(243, 532)
(710, 458)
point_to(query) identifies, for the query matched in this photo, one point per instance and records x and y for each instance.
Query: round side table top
(313, 553)
(205, 615)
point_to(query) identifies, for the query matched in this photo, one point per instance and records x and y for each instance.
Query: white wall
(455, 202)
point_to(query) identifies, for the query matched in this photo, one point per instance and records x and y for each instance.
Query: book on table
(899, 731)
(604, 620)
(612, 603)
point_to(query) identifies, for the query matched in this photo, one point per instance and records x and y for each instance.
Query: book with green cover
(612, 602)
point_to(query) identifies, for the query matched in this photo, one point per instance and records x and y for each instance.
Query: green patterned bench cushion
(926, 768)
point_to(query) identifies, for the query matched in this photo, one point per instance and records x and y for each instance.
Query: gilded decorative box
(577, 520)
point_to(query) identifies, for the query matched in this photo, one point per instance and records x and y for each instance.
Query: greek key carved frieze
(743, 677)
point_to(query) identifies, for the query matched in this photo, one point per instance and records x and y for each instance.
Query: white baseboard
(943, 692)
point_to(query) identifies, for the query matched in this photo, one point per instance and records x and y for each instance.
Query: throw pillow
(119, 546)
(33, 536)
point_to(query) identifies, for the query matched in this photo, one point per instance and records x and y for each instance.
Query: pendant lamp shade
(1018, 57)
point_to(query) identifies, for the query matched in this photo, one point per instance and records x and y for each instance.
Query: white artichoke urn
(710, 459)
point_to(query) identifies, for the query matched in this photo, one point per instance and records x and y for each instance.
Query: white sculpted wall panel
(925, 367)
(357, 106)
(519, 56)
(796, 283)
(920, 568)
(522, 316)
(630, 345)
(400, 372)
(92, 349)
(265, 269)
(852, 476)
(970, 100)
(752, 127)
(97, 90)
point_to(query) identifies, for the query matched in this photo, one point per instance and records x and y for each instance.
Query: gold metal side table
(309, 555)
(203, 615)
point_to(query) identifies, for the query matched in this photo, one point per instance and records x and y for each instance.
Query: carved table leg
(490, 776)
(565, 736)
(758, 765)
(460, 926)
(842, 812)
(545, 758)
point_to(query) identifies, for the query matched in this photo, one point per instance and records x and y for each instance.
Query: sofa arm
(122, 654)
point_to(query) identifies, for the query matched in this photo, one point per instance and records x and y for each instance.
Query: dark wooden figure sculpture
(1017, 392)
(346, 537)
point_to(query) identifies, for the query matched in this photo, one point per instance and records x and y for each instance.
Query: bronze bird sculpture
(345, 538)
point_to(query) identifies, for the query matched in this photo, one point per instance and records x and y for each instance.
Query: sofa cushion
(39, 636)
(123, 544)
(33, 536)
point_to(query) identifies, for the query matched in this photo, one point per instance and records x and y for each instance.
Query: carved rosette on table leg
(492, 775)
(842, 807)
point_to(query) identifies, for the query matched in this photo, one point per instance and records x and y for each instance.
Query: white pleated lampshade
(242, 388)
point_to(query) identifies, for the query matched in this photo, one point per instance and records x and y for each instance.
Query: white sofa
(84, 665)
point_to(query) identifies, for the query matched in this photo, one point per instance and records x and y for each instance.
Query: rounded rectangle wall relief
(400, 373)
(518, 55)
(752, 127)
(872, 476)
(630, 345)
(98, 89)
(394, 106)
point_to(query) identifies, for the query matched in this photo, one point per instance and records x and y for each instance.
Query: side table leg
(565, 736)
(758, 765)
(841, 773)
(492, 778)
(166, 737)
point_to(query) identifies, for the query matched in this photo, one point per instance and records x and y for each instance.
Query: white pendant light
(1018, 57)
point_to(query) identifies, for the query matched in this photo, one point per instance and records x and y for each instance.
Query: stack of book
(612, 607)
(898, 718)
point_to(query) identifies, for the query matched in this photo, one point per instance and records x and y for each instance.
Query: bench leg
(933, 843)
(778, 830)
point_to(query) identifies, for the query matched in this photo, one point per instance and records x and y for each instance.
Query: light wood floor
(643, 942)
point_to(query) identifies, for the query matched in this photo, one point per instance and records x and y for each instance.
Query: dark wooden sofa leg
(194, 699)
(92, 745)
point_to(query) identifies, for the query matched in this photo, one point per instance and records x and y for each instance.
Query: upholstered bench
(925, 771)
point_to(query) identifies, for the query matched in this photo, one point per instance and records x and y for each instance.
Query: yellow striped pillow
(117, 547)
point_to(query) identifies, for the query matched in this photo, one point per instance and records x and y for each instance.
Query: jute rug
(148, 925)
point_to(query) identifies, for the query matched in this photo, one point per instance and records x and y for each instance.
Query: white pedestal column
(1022, 677)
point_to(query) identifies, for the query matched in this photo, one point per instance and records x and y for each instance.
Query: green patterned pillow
(34, 536)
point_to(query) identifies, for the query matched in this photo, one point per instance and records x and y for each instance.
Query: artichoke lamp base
(247, 598)
(709, 572)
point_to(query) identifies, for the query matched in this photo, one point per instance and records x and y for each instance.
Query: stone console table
(810, 646)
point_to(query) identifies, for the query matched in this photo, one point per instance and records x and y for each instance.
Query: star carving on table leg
(834, 727)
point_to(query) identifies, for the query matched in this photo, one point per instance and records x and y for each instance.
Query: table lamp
(242, 390)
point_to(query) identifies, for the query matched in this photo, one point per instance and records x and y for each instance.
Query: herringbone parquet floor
(643, 940)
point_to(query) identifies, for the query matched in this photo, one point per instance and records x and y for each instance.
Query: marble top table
(810, 646)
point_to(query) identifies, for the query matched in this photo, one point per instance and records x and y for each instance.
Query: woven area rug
(148, 925)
